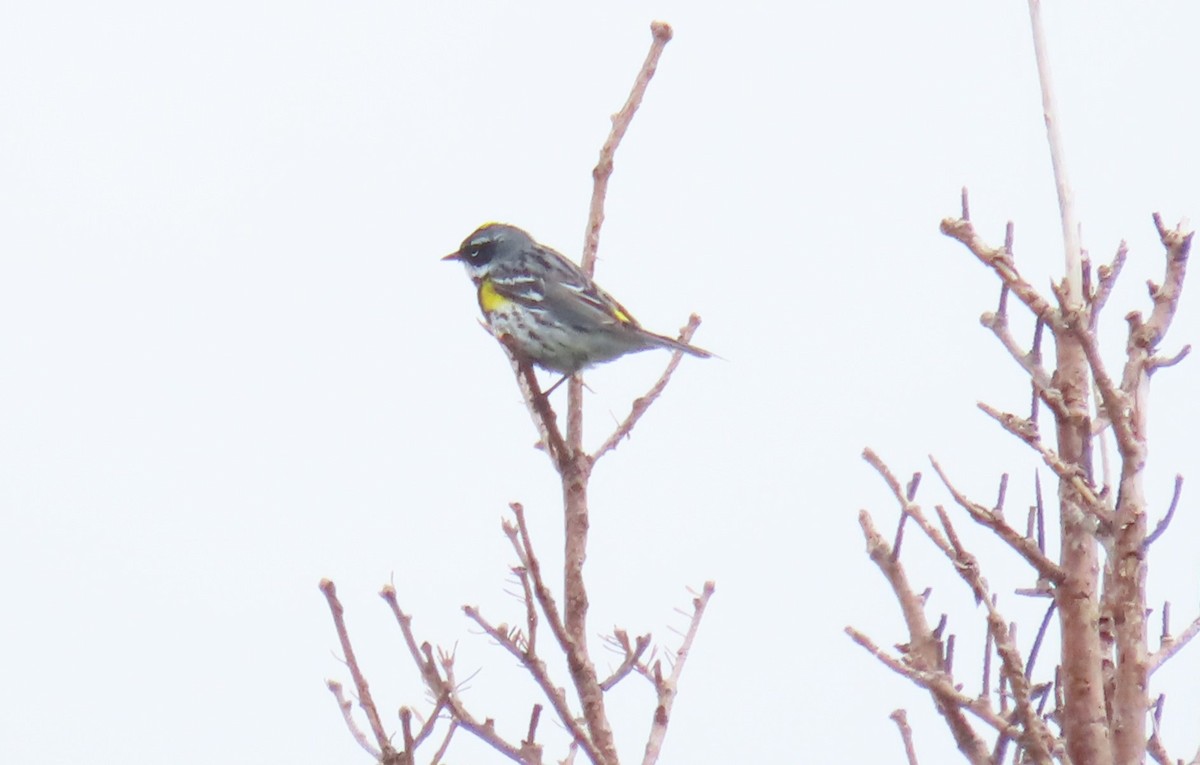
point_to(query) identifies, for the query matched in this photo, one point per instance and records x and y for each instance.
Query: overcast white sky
(231, 363)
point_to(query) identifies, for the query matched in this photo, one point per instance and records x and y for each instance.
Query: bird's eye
(480, 252)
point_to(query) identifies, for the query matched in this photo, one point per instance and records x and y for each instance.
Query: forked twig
(360, 681)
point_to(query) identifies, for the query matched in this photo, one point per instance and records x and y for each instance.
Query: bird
(557, 317)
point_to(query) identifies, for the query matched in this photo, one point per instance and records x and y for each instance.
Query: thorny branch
(668, 688)
(590, 730)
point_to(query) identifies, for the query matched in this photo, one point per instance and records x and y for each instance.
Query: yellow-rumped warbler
(557, 316)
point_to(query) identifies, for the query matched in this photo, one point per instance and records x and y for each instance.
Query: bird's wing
(581, 301)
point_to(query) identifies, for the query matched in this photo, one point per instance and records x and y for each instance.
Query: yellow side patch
(489, 299)
(621, 316)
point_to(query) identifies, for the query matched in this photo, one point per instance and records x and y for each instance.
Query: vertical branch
(575, 469)
(620, 123)
(1084, 724)
(1128, 596)
(1062, 184)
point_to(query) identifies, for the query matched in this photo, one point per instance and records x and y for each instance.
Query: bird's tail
(676, 345)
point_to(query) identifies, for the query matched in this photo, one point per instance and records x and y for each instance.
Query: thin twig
(1162, 525)
(406, 731)
(430, 722)
(347, 710)
(1030, 361)
(523, 544)
(580, 666)
(534, 715)
(1037, 738)
(900, 717)
(1172, 647)
(441, 750)
(445, 687)
(942, 686)
(633, 654)
(1027, 431)
(1108, 277)
(924, 656)
(1002, 265)
(1157, 362)
(541, 675)
(1037, 641)
(662, 33)
(1155, 745)
(668, 687)
(360, 681)
(1021, 544)
(641, 404)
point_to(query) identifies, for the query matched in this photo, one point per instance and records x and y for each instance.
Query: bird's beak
(453, 256)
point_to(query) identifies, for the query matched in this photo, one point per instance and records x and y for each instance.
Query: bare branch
(662, 33)
(633, 653)
(446, 688)
(1027, 431)
(668, 688)
(1030, 361)
(900, 717)
(523, 544)
(347, 710)
(1041, 514)
(406, 732)
(430, 722)
(441, 750)
(641, 404)
(1156, 362)
(907, 506)
(1178, 244)
(1062, 184)
(1002, 306)
(541, 675)
(534, 716)
(360, 681)
(1155, 746)
(1162, 525)
(1037, 641)
(1171, 647)
(1037, 738)
(1116, 402)
(1002, 264)
(1108, 277)
(924, 656)
(1022, 544)
(943, 688)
